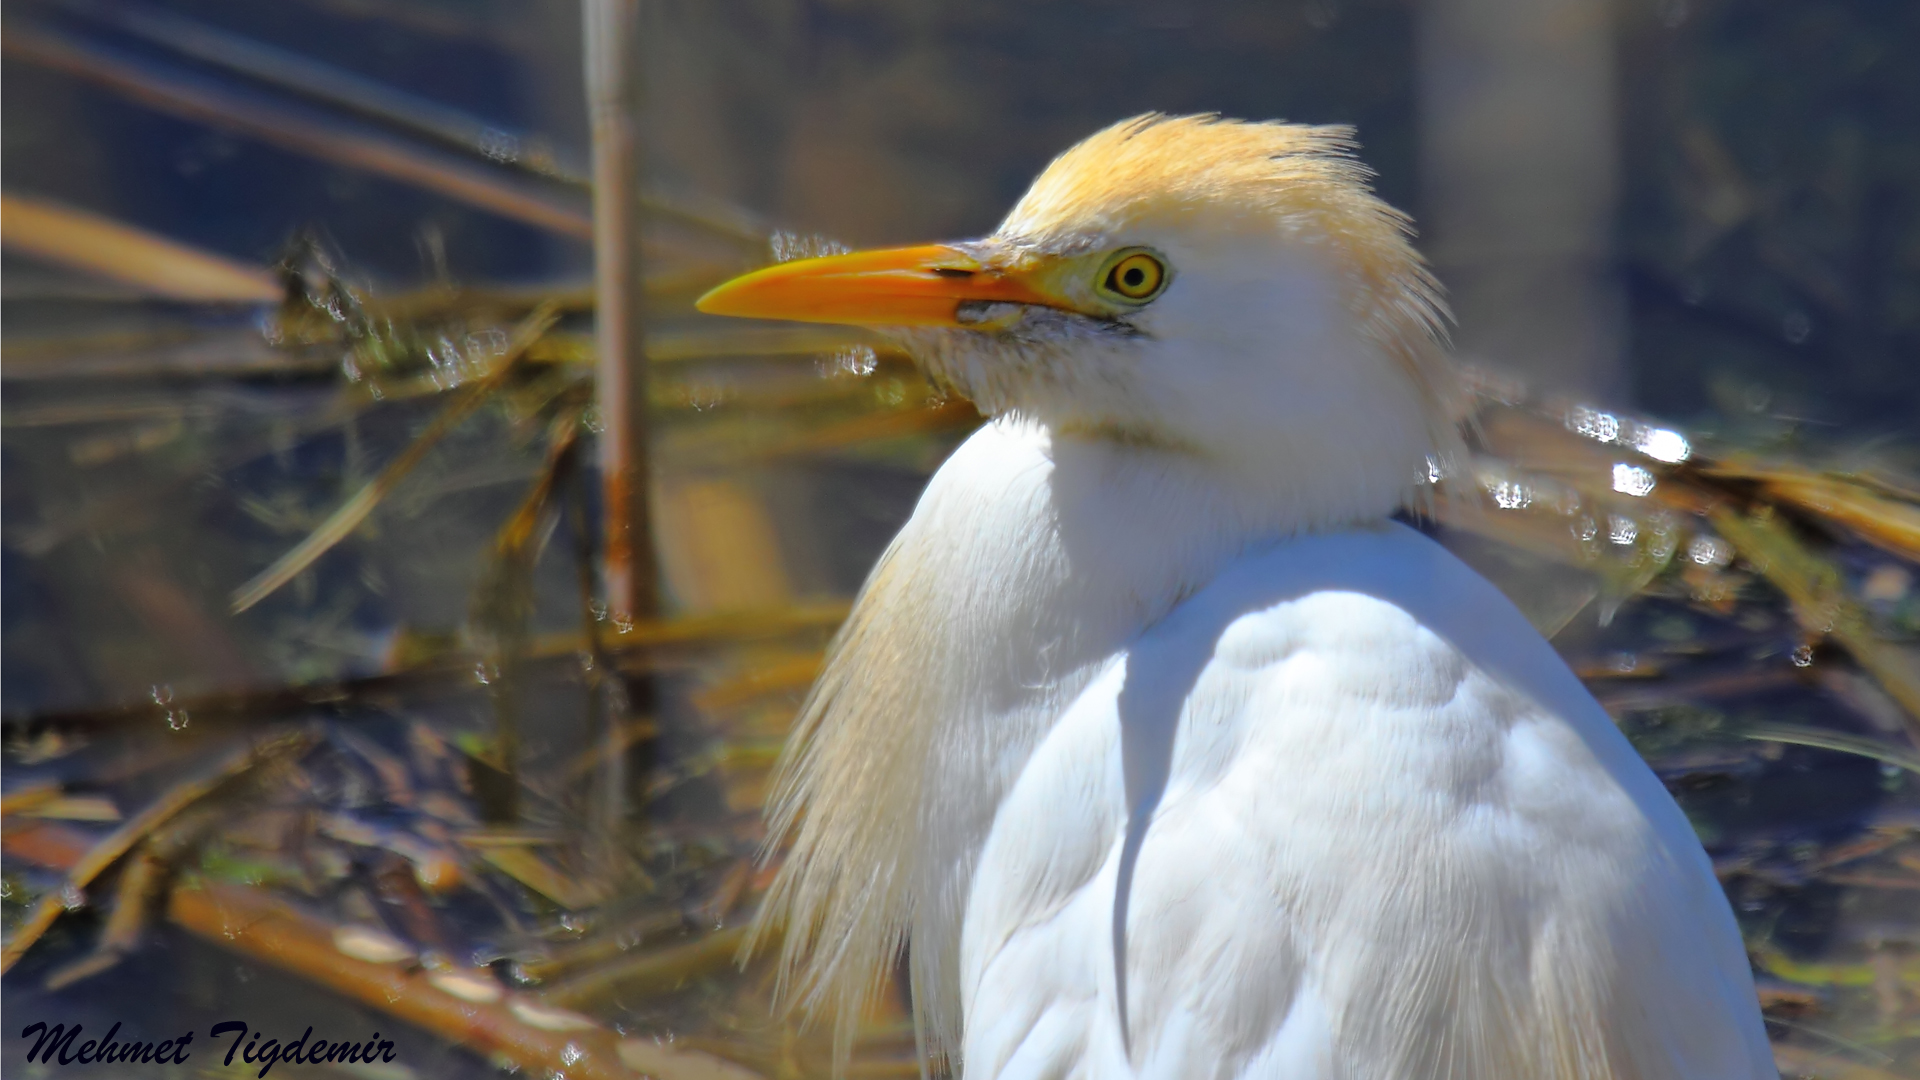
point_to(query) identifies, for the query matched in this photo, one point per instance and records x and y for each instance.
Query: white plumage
(1166, 752)
(1386, 834)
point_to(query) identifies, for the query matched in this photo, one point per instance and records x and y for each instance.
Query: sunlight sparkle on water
(1508, 495)
(1632, 480)
(1660, 444)
(1708, 551)
(787, 246)
(856, 361)
(1594, 424)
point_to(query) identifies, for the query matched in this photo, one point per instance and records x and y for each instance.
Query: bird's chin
(1046, 365)
(955, 361)
(997, 362)
(989, 316)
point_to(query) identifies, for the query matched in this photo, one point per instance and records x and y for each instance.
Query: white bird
(1158, 746)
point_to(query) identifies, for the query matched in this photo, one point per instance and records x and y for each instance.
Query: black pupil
(1135, 277)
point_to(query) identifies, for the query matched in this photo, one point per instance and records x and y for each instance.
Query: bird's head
(1226, 289)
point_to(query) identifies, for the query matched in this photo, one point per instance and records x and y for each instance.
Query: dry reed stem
(1886, 523)
(1814, 588)
(251, 922)
(316, 81)
(630, 569)
(609, 943)
(301, 130)
(729, 627)
(686, 346)
(1835, 740)
(56, 847)
(780, 676)
(154, 264)
(24, 799)
(504, 596)
(116, 843)
(1799, 1063)
(1821, 603)
(528, 868)
(1618, 697)
(639, 646)
(680, 346)
(141, 883)
(657, 972)
(355, 510)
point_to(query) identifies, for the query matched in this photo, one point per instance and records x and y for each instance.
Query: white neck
(1030, 560)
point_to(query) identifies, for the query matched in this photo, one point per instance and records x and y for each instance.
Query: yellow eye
(1136, 277)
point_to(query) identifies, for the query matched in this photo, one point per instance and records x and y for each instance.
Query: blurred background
(1683, 205)
(297, 355)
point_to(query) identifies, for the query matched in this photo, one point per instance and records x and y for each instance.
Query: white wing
(1387, 834)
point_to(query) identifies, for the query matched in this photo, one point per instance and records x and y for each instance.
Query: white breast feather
(1388, 835)
(1392, 838)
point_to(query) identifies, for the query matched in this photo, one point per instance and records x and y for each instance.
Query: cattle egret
(1157, 746)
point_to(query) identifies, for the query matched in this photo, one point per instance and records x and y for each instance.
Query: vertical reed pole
(1519, 177)
(629, 570)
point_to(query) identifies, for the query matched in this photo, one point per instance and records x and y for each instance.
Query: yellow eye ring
(1135, 277)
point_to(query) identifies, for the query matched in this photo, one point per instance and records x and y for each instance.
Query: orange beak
(910, 286)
